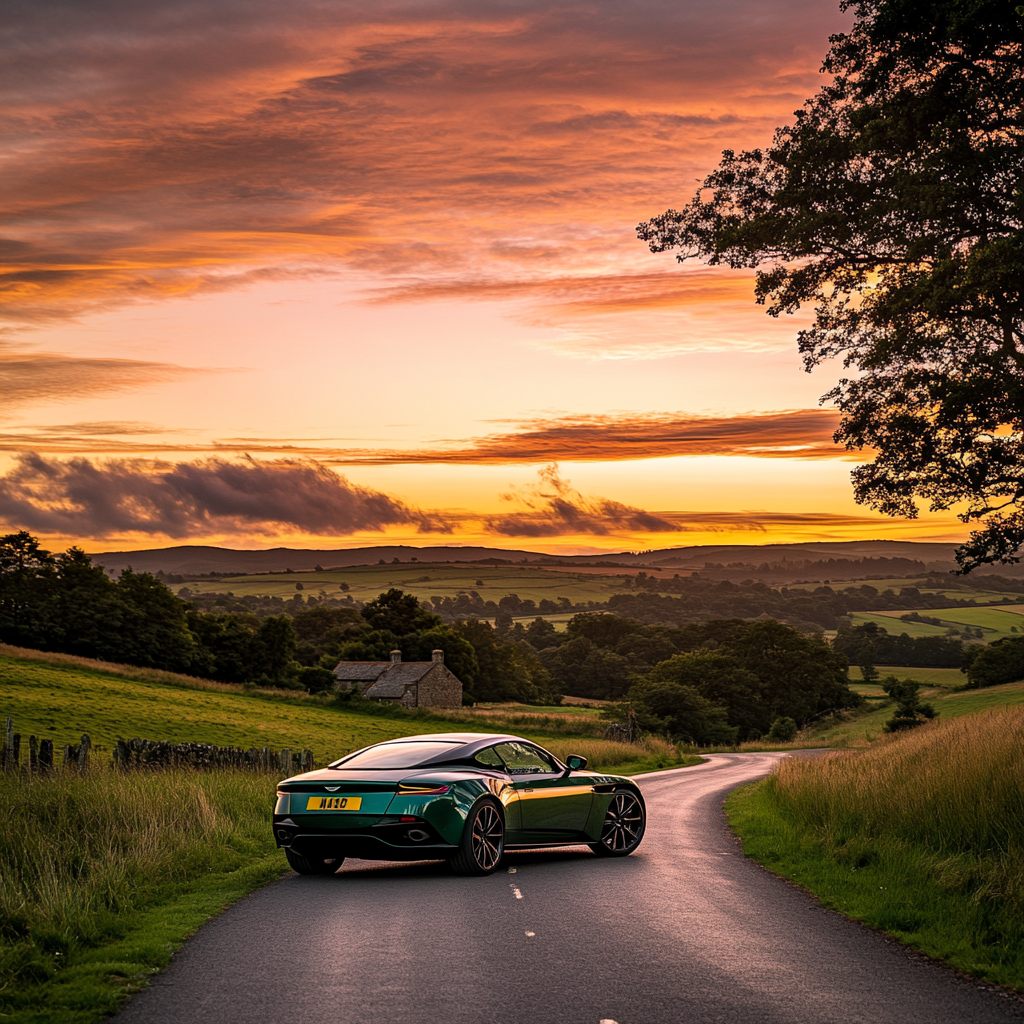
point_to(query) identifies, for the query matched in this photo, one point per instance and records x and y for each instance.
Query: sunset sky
(337, 273)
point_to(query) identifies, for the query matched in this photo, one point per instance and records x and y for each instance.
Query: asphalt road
(683, 932)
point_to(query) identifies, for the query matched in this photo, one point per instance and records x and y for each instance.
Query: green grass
(64, 701)
(922, 836)
(103, 876)
(941, 677)
(996, 622)
(863, 727)
(895, 626)
(425, 580)
(952, 593)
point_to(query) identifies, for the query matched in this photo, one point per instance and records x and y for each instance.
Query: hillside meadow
(61, 697)
(920, 836)
(425, 581)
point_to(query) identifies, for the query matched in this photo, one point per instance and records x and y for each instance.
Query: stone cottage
(413, 684)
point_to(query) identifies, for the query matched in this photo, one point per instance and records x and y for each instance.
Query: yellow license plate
(334, 803)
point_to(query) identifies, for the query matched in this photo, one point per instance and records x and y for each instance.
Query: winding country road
(683, 932)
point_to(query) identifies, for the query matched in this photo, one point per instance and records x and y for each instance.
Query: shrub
(782, 730)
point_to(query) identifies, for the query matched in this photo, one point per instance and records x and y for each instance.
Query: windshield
(394, 755)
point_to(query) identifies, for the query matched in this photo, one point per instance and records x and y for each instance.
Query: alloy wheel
(488, 837)
(623, 824)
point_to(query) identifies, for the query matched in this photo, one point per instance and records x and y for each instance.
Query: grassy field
(995, 622)
(61, 697)
(926, 586)
(931, 679)
(895, 626)
(425, 580)
(922, 836)
(864, 727)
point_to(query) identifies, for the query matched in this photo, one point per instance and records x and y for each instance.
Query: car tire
(483, 840)
(313, 865)
(623, 827)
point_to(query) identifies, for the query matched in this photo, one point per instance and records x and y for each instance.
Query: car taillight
(410, 789)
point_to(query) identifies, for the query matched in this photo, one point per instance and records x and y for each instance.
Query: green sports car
(464, 797)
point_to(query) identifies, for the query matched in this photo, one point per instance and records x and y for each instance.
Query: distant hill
(193, 559)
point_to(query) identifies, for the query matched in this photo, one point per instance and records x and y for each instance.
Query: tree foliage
(893, 205)
(1002, 661)
(909, 709)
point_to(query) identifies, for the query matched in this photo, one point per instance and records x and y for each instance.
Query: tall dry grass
(82, 852)
(953, 788)
(606, 755)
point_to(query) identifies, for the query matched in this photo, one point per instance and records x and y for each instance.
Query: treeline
(818, 569)
(1002, 661)
(62, 602)
(471, 604)
(871, 644)
(708, 682)
(821, 608)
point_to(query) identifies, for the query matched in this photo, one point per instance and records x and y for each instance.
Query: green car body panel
(420, 812)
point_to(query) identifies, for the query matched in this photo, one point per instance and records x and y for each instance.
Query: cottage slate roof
(361, 671)
(394, 681)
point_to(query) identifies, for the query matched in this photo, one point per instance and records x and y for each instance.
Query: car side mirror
(575, 763)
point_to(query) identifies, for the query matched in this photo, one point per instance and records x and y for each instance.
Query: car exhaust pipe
(285, 836)
(417, 835)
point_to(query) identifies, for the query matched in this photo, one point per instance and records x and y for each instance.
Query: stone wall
(439, 688)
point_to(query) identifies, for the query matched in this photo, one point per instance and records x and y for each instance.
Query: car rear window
(394, 755)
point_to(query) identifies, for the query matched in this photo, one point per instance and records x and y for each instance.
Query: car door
(553, 806)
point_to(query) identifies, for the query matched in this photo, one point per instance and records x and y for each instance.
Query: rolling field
(1007, 620)
(931, 679)
(893, 624)
(61, 701)
(425, 580)
(865, 728)
(951, 592)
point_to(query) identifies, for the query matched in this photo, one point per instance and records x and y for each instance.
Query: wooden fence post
(286, 762)
(83, 752)
(33, 754)
(46, 755)
(8, 756)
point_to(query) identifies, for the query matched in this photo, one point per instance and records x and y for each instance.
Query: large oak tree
(893, 205)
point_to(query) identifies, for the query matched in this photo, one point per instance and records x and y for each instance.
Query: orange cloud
(166, 151)
(39, 376)
(797, 433)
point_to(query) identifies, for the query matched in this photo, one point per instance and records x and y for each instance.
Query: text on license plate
(334, 803)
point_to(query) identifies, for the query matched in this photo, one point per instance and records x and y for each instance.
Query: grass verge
(104, 875)
(922, 837)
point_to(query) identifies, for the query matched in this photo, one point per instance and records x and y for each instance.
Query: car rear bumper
(387, 840)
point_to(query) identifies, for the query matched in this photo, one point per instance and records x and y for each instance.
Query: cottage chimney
(437, 657)
(396, 657)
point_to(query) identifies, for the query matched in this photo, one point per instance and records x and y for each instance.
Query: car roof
(463, 745)
(454, 737)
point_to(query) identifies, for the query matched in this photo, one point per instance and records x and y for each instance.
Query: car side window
(523, 759)
(489, 757)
